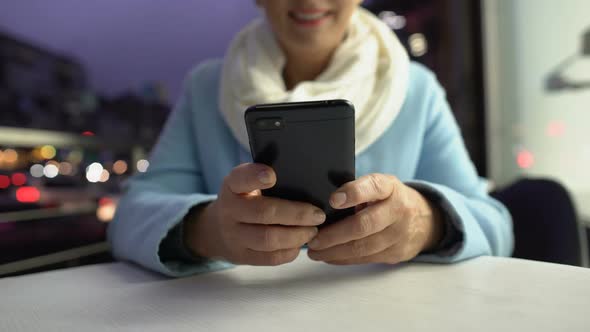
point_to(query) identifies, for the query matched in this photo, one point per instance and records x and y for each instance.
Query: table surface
(484, 294)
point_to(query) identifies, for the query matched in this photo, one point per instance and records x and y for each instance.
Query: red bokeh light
(87, 133)
(19, 179)
(105, 201)
(525, 159)
(28, 195)
(556, 129)
(4, 182)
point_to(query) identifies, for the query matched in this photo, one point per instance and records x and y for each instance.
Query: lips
(310, 17)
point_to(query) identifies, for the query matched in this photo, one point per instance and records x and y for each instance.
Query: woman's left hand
(393, 223)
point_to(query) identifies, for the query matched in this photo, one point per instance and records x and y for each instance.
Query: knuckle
(382, 214)
(291, 256)
(301, 237)
(396, 186)
(374, 183)
(266, 212)
(394, 236)
(301, 213)
(405, 255)
(309, 235)
(394, 178)
(357, 192)
(275, 258)
(358, 248)
(395, 190)
(269, 238)
(364, 225)
(407, 234)
(411, 212)
(393, 257)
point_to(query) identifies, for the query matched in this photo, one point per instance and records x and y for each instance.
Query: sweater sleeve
(479, 224)
(155, 202)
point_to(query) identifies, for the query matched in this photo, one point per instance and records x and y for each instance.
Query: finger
(260, 258)
(272, 238)
(275, 211)
(246, 178)
(369, 221)
(368, 246)
(369, 188)
(392, 255)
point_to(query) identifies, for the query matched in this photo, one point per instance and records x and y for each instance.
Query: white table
(484, 294)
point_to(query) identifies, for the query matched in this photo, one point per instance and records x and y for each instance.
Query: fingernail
(319, 216)
(338, 199)
(265, 177)
(314, 243)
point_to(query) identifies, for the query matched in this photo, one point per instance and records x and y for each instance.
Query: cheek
(274, 10)
(345, 15)
(340, 27)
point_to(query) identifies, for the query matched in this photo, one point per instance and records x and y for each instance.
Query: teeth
(309, 17)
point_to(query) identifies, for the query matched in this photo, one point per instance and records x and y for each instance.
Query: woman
(195, 209)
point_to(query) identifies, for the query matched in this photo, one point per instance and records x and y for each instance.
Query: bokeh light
(37, 171)
(4, 182)
(556, 129)
(143, 165)
(120, 167)
(394, 21)
(28, 195)
(47, 152)
(105, 201)
(36, 154)
(10, 156)
(418, 44)
(66, 168)
(104, 176)
(19, 179)
(106, 212)
(525, 159)
(94, 172)
(50, 171)
(75, 157)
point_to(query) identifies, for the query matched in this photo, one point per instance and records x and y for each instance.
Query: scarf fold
(370, 68)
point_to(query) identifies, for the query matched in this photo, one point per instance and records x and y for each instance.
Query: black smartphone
(311, 147)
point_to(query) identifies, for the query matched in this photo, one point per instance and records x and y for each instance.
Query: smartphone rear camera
(270, 124)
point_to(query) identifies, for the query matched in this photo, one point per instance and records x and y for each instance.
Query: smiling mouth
(310, 17)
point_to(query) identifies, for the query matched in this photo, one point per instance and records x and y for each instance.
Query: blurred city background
(85, 88)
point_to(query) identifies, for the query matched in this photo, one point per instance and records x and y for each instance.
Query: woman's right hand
(244, 227)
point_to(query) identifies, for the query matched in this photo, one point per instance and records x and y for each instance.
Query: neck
(304, 65)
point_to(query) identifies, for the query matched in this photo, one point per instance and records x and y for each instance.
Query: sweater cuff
(173, 247)
(453, 237)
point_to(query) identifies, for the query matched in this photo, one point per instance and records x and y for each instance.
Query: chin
(311, 39)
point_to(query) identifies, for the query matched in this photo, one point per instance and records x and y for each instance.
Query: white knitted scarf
(370, 68)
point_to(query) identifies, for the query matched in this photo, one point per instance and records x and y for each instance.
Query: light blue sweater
(196, 150)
